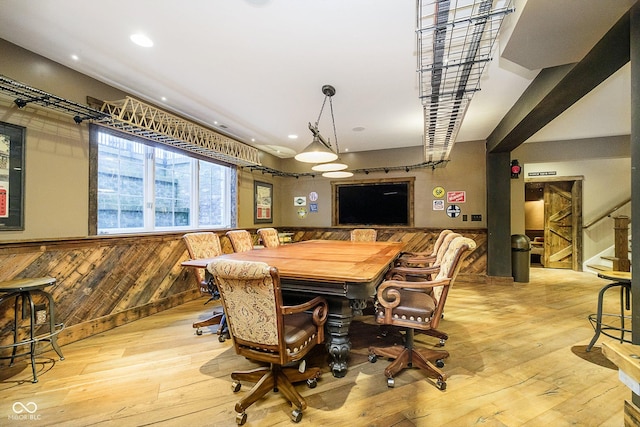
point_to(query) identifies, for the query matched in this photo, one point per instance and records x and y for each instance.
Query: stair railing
(606, 214)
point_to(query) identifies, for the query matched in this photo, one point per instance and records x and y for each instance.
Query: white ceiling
(257, 67)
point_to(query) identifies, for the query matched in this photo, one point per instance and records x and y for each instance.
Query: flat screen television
(374, 203)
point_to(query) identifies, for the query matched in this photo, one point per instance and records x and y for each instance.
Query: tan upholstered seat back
(247, 290)
(446, 241)
(364, 235)
(269, 237)
(240, 240)
(202, 245)
(439, 241)
(451, 261)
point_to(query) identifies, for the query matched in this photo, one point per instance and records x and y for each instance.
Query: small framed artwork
(12, 150)
(263, 202)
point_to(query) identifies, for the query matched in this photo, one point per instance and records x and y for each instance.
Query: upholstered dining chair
(423, 257)
(240, 240)
(269, 237)
(418, 305)
(265, 330)
(364, 235)
(422, 267)
(206, 245)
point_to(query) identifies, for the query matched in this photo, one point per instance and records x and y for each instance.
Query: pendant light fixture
(319, 151)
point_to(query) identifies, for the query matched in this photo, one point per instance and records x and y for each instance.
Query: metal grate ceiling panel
(455, 40)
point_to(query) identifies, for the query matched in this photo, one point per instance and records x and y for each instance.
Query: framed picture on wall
(263, 202)
(12, 171)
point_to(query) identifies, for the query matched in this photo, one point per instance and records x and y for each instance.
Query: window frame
(230, 191)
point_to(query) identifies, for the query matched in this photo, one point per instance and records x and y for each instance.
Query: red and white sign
(456, 196)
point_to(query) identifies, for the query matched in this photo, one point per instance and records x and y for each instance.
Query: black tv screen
(381, 203)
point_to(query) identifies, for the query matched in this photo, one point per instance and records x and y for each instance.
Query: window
(139, 187)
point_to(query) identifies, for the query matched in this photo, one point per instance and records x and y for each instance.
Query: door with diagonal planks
(563, 224)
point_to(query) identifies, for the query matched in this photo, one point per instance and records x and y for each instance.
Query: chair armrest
(318, 304)
(417, 254)
(415, 258)
(412, 271)
(389, 296)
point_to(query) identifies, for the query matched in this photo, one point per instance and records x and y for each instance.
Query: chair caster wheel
(441, 385)
(296, 415)
(373, 358)
(241, 418)
(312, 382)
(198, 331)
(440, 363)
(442, 342)
(391, 382)
(221, 338)
(235, 386)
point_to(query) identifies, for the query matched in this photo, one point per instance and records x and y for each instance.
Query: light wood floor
(517, 359)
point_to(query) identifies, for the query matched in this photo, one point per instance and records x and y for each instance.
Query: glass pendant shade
(329, 167)
(316, 152)
(338, 174)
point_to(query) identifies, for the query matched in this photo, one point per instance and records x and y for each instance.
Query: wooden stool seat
(22, 290)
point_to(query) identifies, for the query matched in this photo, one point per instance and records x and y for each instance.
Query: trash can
(520, 257)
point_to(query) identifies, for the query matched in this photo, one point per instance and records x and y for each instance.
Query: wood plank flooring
(517, 359)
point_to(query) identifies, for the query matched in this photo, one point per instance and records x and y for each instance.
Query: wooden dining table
(345, 273)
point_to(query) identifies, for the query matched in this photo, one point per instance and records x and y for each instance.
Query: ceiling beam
(556, 89)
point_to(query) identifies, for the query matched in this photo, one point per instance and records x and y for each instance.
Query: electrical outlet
(476, 217)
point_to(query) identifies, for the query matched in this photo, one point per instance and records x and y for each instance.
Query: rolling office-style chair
(206, 245)
(240, 240)
(265, 330)
(423, 257)
(418, 305)
(363, 235)
(269, 237)
(422, 267)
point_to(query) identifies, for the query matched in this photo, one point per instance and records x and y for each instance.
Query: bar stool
(22, 290)
(622, 281)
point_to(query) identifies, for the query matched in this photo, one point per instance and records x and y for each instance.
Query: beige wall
(465, 172)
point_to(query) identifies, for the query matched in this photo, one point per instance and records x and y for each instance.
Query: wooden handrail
(606, 214)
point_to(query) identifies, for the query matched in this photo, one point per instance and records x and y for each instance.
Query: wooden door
(563, 225)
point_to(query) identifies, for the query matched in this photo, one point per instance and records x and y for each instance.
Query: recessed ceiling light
(75, 57)
(293, 136)
(141, 40)
(164, 98)
(358, 129)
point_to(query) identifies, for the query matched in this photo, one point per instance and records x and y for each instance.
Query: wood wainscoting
(104, 282)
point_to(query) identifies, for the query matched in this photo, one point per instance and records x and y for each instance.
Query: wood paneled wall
(104, 282)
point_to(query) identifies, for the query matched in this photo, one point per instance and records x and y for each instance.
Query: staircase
(620, 259)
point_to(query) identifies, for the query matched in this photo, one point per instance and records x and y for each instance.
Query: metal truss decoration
(136, 117)
(141, 119)
(455, 41)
